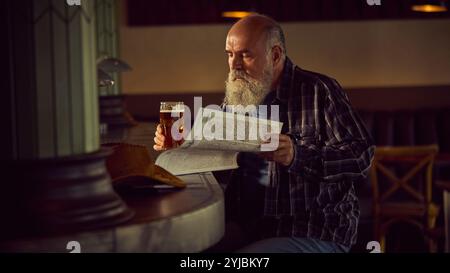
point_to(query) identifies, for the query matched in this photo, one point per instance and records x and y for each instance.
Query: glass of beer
(171, 114)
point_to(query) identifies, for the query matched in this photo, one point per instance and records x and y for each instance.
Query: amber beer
(169, 113)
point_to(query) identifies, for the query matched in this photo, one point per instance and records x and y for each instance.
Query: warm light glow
(235, 14)
(429, 8)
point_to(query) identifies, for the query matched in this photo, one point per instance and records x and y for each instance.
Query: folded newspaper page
(215, 140)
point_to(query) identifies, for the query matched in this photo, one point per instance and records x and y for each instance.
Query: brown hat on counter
(132, 161)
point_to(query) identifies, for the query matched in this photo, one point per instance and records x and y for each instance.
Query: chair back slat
(417, 158)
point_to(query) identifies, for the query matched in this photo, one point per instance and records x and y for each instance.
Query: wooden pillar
(55, 177)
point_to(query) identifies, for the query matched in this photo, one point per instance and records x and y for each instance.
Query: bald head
(259, 27)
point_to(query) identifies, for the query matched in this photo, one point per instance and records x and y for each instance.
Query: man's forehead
(237, 42)
(242, 41)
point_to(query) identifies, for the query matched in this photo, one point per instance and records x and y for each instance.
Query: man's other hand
(284, 154)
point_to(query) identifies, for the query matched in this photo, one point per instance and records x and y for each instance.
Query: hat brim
(151, 178)
(131, 164)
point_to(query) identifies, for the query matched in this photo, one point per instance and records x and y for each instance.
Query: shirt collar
(281, 94)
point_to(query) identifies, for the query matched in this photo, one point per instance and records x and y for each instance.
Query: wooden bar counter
(166, 220)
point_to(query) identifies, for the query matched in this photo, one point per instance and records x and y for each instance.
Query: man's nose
(236, 63)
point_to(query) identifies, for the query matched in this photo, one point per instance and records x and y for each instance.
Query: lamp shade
(429, 6)
(237, 9)
(104, 79)
(111, 65)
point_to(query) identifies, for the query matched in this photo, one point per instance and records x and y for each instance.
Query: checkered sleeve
(344, 149)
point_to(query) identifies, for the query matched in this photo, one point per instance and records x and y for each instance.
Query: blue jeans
(293, 245)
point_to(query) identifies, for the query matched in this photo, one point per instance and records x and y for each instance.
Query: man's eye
(246, 55)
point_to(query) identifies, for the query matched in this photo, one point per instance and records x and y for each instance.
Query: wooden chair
(415, 205)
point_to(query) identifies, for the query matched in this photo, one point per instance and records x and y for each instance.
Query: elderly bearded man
(301, 197)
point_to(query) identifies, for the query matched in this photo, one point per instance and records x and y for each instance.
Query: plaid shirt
(315, 196)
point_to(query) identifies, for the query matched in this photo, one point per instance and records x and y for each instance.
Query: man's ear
(276, 55)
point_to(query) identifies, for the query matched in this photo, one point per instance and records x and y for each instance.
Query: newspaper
(215, 140)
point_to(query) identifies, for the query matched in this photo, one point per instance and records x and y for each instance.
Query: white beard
(243, 90)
